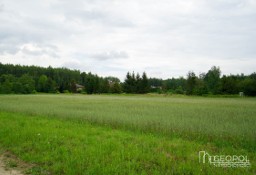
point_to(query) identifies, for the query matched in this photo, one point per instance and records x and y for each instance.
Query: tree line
(207, 83)
(31, 79)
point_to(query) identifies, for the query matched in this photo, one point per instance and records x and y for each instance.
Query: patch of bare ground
(11, 165)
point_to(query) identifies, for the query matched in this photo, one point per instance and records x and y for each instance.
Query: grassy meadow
(127, 134)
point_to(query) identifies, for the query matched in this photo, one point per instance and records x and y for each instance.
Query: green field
(135, 134)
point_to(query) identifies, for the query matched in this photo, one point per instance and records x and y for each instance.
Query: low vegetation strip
(72, 147)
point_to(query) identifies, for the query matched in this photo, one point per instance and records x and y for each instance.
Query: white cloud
(39, 50)
(165, 38)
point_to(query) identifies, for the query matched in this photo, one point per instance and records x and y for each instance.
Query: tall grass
(70, 147)
(219, 120)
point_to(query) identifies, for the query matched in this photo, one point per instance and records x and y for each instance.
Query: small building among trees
(79, 88)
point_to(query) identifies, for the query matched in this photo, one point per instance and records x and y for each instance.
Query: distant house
(79, 87)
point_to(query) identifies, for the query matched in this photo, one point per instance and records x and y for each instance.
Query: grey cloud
(226, 5)
(102, 56)
(10, 42)
(100, 18)
(8, 49)
(12, 39)
(17, 30)
(223, 36)
(84, 15)
(1, 7)
(89, 12)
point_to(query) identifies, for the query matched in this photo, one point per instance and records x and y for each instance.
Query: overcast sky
(165, 38)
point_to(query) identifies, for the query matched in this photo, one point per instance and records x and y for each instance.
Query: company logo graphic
(233, 161)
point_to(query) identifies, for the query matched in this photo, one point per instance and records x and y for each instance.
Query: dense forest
(32, 79)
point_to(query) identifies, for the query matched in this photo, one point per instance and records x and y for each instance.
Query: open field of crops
(136, 134)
